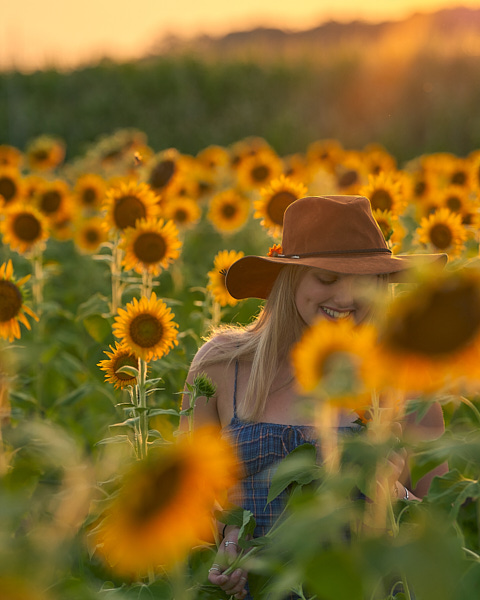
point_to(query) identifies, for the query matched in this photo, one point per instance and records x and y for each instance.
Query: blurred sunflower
(165, 503)
(214, 158)
(12, 187)
(274, 201)
(457, 199)
(146, 327)
(325, 154)
(216, 285)
(458, 173)
(12, 308)
(150, 246)
(257, 170)
(53, 198)
(378, 159)
(24, 228)
(351, 173)
(228, 211)
(89, 191)
(385, 192)
(474, 169)
(10, 156)
(245, 148)
(127, 202)
(338, 361)
(443, 230)
(120, 356)
(295, 167)
(89, 234)
(32, 185)
(163, 172)
(45, 153)
(183, 211)
(431, 335)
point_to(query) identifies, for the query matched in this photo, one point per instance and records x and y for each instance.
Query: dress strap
(235, 390)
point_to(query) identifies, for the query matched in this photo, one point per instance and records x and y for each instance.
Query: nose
(344, 292)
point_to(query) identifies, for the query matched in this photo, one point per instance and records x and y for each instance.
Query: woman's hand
(232, 583)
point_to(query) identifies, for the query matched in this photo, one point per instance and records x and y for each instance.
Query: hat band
(330, 252)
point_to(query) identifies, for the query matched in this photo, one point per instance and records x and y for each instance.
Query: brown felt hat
(335, 233)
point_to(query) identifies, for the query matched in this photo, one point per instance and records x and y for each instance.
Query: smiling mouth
(336, 314)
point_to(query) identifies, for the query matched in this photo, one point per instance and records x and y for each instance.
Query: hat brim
(254, 276)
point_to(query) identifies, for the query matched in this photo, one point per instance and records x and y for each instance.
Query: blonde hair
(264, 343)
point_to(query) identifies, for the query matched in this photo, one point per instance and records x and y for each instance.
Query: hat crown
(330, 224)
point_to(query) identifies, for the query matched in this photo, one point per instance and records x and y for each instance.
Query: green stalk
(116, 271)
(142, 404)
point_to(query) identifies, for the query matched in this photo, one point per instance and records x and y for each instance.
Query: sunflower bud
(204, 386)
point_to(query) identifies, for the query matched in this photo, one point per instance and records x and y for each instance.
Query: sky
(66, 33)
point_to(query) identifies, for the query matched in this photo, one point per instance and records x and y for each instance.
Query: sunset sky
(60, 33)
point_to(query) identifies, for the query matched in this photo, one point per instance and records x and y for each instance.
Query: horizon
(55, 35)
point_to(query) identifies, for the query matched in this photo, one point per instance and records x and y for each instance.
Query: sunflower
(378, 160)
(12, 308)
(274, 201)
(45, 153)
(295, 167)
(127, 202)
(214, 158)
(325, 154)
(385, 192)
(12, 187)
(150, 246)
(183, 211)
(335, 360)
(222, 262)
(53, 198)
(228, 211)
(165, 503)
(393, 231)
(443, 230)
(351, 173)
(146, 327)
(89, 191)
(24, 228)
(257, 170)
(89, 234)
(457, 199)
(432, 334)
(164, 171)
(246, 148)
(119, 357)
(474, 169)
(10, 156)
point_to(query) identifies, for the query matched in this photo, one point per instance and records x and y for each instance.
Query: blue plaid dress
(260, 446)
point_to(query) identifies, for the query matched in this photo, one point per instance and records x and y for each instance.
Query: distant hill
(438, 28)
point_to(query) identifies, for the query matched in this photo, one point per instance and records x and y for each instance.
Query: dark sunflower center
(420, 188)
(229, 211)
(92, 236)
(459, 178)
(127, 210)
(453, 203)
(8, 188)
(161, 174)
(159, 488)
(146, 330)
(149, 247)
(347, 179)
(27, 227)
(40, 155)
(446, 320)
(124, 360)
(180, 216)
(381, 200)
(260, 173)
(89, 196)
(441, 236)
(278, 204)
(50, 202)
(10, 301)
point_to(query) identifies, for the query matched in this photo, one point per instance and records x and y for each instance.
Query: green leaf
(299, 467)
(163, 411)
(128, 370)
(98, 327)
(335, 575)
(115, 439)
(452, 490)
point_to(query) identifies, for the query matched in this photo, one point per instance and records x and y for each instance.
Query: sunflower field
(112, 273)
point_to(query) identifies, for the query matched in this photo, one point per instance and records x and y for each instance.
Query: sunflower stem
(147, 280)
(116, 273)
(37, 281)
(142, 403)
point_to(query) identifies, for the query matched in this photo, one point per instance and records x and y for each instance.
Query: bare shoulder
(209, 357)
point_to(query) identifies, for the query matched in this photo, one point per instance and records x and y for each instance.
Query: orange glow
(35, 34)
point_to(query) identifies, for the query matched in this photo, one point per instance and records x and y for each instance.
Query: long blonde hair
(265, 342)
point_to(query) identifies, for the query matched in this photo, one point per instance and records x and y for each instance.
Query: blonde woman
(332, 249)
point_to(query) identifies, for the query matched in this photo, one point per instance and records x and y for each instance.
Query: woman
(332, 251)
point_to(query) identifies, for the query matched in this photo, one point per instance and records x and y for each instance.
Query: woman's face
(334, 296)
